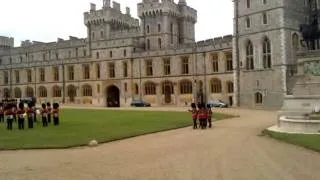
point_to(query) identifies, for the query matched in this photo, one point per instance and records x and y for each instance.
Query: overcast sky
(46, 20)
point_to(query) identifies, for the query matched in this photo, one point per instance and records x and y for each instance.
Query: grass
(78, 127)
(304, 140)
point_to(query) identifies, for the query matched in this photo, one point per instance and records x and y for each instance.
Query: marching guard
(194, 112)
(1, 112)
(209, 113)
(44, 115)
(55, 113)
(20, 114)
(9, 112)
(49, 109)
(30, 115)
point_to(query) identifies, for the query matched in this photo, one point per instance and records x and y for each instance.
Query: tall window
(148, 44)
(149, 68)
(148, 29)
(150, 88)
(249, 56)
(248, 22)
(167, 66)
(264, 18)
(295, 41)
(111, 70)
(77, 52)
(230, 87)
(186, 87)
(258, 98)
(71, 73)
(86, 90)
(159, 27)
(55, 73)
(42, 92)
(86, 71)
(185, 65)
(84, 53)
(215, 63)
(266, 53)
(125, 53)
(125, 69)
(229, 62)
(264, 1)
(171, 32)
(56, 91)
(110, 54)
(248, 3)
(216, 86)
(160, 43)
(98, 71)
(17, 75)
(125, 87)
(101, 35)
(42, 74)
(6, 77)
(97, 55)
(57, 55)
(29, 75)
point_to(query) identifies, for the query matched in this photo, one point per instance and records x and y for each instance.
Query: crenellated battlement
(6, 42)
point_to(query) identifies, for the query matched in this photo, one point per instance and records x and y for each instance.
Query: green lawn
(78, 127)
(308, 141)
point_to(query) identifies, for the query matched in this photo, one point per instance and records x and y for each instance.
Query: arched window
(86, 90)
(249, 56)
(258, 98)
(248, 22)
(159, 27)
(160, 43)
(29, 92)
(148, 44)
(136, 88)
(150, 88)
(216, 86)
(248, 3)
(42, 92)
(148, 29)
(17, 92)
(295, 41)
(230, 87)
(56, 91)
(266, 53)
(6, 93)
(186, 87)
(167, 87)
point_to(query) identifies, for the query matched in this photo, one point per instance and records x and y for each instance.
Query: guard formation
(12, 112)
(203, 114)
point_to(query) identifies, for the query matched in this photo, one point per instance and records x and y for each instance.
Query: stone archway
(72, 93)
(113, 96)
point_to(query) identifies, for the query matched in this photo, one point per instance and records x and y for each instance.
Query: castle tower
(166, 24)
(6, 42)
(266, 38)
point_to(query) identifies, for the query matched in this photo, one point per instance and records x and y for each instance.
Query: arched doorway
(72, 93)
(167, 90)
(113, 96)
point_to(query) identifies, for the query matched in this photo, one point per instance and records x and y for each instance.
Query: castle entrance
(113, 96)
(167, 88)
(72, 93)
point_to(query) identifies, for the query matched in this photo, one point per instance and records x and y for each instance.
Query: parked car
(140, 103)
(218, 103)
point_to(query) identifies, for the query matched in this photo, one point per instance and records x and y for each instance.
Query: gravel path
(232, 150)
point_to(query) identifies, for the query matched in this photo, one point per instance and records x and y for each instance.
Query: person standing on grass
(20, 113)
(30, 115)
(194, 112)
(9, 112)
(15, 109)
(1, 113)
(55, 113)
(44, 115)
(49, 109)
(209, 112)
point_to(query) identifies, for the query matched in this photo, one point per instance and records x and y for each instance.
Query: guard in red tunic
(194, 112)
(15, 109)
(55, 113)
(1, 112)
(44, 115)
(209, 112)
(49, 112)
(30, 115)
(20, 114)
(9, 112)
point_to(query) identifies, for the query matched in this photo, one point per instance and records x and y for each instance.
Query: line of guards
(13, 113)
(203, 114)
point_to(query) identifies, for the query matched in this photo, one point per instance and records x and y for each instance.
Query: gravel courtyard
(232, 150)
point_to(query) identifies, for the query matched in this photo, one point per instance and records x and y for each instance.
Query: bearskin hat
(193, 105)
(43, 105)
(21, 105)
(55, 105)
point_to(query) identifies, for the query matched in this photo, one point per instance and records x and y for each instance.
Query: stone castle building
(266, 40)
(122, 58)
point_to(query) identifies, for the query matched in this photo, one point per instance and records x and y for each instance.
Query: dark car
(218, 103)
(140, 103)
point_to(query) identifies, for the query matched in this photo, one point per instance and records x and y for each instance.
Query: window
(93, 36)
(17, 75)
(29, 92)
(186, 87)
(86, 90)
(125, 69)
(17, 93)
(71, 73)
(98, 88)
(149, 69)
(6, 77)
(216, 86)
(84, 53)
(77, 52)
(185, 65)
(6, 93)
(258, 98)
(230, 87)
(295, 41)
(110, 54)
(43, 92)
(55, 73)
(266, 53)
(69, 54)
(148, 44)
(57, 55)
(150, 88)
(159, 27)
(264, 18)
(56, 91)
(20, 59)
(167, 66)
(229, 62)
(249, 56)
(97, 55)
(98, 71)
(124, 53)
(29, 75)
(125, 87)
(167, 87)
(215, 63)
(111, 70)
(42, 74)
(248, 22)
(248, 3)
(136, 88)
(160, 43)
(101, 35)
(148, 29)
(86, 70)
(0, 61)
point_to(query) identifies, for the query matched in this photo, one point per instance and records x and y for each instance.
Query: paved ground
(230, 151)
